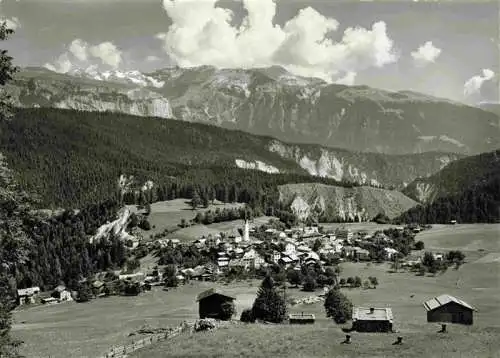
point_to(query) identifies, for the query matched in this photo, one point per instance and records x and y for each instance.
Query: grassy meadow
(89, 329)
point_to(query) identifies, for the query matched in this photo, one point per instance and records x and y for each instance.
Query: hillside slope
(455, 177)
(74, 157)
(271, 101)
(332, 203)
(467, 191)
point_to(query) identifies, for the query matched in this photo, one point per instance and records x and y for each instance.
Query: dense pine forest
(72, 159)
(474, 187)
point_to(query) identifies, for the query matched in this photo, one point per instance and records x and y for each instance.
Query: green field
(169, 214)
(86, 330)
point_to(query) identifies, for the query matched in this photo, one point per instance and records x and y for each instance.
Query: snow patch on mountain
(232, 80)
(442, 138)
(133, 77)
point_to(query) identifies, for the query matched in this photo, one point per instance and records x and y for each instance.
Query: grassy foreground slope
(321, 341)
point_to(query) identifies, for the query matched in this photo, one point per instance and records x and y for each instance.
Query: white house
(290, 247)
(27, 295)
(253, 259)
(390, 252)
(276, 257)
(62, 294)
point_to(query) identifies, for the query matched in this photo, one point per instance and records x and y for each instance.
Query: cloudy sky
(447, 49)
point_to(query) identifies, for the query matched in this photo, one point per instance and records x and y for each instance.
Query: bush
(338, 306)
(247, 316)
(294, 277)
(227, 311)
(419, 245)
(381, 218)
(342, 281)
(350, 281)
(205, 324)
(357, 281)
(310, 284)
(145, 225)
(373, 281)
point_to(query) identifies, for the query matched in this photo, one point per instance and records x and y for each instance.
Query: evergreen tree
(269, 305)
(196, 200)
(12, 237)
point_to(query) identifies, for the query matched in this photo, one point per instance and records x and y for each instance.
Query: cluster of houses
(31, 295)
(290, 248)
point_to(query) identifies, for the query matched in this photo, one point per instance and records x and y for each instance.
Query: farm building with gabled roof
(372, 319)
(211, 303)
(446, 308)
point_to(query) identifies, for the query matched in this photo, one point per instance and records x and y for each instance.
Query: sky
(447, 49)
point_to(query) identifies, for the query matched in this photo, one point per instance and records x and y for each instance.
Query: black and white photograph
(249, 178)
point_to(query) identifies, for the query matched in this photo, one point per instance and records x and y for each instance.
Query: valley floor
(90, 329)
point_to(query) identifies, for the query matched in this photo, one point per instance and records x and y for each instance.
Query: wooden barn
(210, 303)
(372, 319)
(301, 318)
(446, 308)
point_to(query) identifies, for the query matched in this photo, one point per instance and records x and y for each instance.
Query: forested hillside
(75, 158)
(467, 191)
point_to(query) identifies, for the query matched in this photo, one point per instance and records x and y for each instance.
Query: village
(379, 268)
(308, 256)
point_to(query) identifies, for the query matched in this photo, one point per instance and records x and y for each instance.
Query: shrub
(357, 281)
(338, 306)
(342, 281)
(419, 245)
(205, 324)
(294, 277)
(310, 284)
(350, 281)
(247, 316)
(227, 311)
(145, 225)
(373, 281)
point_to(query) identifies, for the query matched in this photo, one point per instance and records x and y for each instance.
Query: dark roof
(442, 300)
(211, 292)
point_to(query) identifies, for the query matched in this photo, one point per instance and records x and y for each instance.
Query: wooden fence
(122, 351)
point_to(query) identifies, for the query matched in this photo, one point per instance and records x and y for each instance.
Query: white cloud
(81, 55)
(202, 34)
(473, 85)
(108, 53)
(425, 54)
(61, 65)
(348, 79)
(152, 58)
(79, 49)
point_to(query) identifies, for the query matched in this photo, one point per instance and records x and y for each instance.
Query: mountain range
(273, 102)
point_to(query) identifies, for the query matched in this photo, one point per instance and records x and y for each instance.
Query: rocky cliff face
(343, 204)
(41, 88)
(272, 102)
(363, 168)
